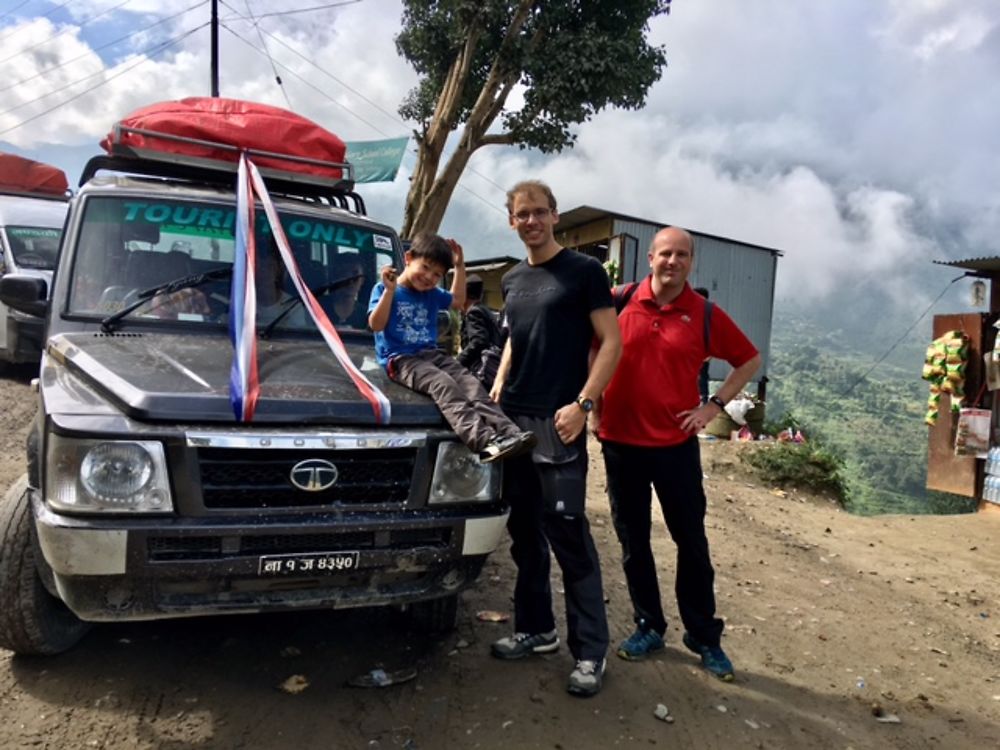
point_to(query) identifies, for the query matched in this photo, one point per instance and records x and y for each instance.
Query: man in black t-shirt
(557, 302)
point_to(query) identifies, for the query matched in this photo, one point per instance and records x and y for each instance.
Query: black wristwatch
(717, 401)
(587, 404)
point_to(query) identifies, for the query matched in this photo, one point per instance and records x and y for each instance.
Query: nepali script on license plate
(316, 563)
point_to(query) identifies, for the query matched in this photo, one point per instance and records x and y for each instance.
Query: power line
(325, 72)
(112, 43)
(44, 15)
(65, 30)
(315, 88)
(900, 339)
(270, 59)
(357, 93)
(307, 10)
(350, 111)
(150, 53)
(13, 10)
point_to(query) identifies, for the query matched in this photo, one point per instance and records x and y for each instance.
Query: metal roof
(990, 263)
(586, 214)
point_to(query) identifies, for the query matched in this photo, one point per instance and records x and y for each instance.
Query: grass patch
(804, 465)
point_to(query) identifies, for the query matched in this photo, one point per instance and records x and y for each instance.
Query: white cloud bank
(859, 137)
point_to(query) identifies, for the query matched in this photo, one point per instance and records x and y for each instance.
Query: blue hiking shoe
(640, 644)
(713, 658)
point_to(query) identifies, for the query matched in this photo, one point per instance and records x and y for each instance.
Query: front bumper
(141, 569)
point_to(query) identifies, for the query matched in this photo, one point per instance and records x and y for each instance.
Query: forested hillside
(874, 421)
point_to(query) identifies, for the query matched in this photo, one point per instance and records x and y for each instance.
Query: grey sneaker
(520, 645)
(585, 679)
(499, 449)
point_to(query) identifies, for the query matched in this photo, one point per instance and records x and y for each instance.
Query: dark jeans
(465, 404)
(675, 473)
(534, 530)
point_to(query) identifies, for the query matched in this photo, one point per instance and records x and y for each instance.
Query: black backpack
(622, 294)
(486, 368)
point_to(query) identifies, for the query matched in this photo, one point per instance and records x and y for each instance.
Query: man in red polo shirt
(648, 426)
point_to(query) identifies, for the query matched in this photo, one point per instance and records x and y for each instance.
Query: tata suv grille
(245, 478)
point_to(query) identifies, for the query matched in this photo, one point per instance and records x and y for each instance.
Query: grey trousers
(462, 399)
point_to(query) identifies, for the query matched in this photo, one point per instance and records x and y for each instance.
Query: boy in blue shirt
(403, 314)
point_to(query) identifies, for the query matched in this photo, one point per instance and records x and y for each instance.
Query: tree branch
(500, 139)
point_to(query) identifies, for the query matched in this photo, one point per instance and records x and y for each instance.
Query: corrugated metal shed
(739, 276)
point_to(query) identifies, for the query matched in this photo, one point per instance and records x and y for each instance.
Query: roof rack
(62, 197)
(153, 163)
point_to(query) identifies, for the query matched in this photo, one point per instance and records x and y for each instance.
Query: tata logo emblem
(314, 475)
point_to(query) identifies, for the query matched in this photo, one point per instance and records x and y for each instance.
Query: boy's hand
(457, 254)
(389, 278)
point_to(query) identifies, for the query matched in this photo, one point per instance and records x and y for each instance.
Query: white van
(30, 230)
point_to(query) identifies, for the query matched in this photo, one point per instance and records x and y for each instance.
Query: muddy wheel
(433, 615)
(32, 621)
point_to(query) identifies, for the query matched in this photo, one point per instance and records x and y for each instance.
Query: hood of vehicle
(185, 378)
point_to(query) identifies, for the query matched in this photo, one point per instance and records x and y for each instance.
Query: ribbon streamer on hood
(246, 397)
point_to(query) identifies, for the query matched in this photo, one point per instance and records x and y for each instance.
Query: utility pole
(215, 48)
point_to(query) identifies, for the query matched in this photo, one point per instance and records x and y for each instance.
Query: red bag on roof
(20, 175)
(246, 125)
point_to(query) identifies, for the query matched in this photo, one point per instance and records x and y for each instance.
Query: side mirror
(26, 294)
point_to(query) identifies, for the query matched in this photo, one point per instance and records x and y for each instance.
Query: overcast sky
(859, 136)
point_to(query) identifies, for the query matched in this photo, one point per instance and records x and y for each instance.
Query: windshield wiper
(145, 295)
(319, 291)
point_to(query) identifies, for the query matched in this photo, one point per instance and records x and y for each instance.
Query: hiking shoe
(520, 645)
(507, 447)
(640, 644)
(585, 679)
(713, 658)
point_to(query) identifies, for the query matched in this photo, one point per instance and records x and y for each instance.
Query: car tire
(32, 621)
(433, 615)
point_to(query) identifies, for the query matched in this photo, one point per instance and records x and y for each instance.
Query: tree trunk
(429, 193)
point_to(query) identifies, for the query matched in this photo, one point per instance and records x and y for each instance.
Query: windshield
(127, 245)
(34, 247)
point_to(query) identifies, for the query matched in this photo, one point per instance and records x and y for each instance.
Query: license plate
(317, 563)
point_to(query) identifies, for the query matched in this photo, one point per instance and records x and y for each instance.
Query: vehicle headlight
(113, 476)
(459, 477)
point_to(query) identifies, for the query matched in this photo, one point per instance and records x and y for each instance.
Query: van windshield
(127, 245)
(34, 247)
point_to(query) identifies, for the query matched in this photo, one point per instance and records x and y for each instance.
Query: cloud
(858, 137)
(333, 69)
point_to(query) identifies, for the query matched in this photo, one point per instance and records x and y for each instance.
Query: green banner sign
(376, 161)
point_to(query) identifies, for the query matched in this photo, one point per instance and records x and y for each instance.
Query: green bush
(804, 465)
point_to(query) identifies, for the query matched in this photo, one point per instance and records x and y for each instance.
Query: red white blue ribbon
(244, 385)
(255, 187)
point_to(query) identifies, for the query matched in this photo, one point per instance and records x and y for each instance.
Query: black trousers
(675, 473)
(536, 527)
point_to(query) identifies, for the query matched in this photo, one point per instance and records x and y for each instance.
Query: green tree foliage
(874, 420)
(572, 59)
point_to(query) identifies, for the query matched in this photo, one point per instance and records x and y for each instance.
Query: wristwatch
(717, 401)
(587, 404)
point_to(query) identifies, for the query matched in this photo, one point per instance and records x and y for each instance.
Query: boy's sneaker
(520, 645)
(640, 644)
(713, 658)
(585, 679)
(507, 447)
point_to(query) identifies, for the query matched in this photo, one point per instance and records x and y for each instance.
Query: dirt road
(829, 615)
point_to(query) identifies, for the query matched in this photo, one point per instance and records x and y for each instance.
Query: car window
(129, 244)
(34, 247)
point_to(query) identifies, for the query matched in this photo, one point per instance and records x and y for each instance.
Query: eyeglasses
(521, 217)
